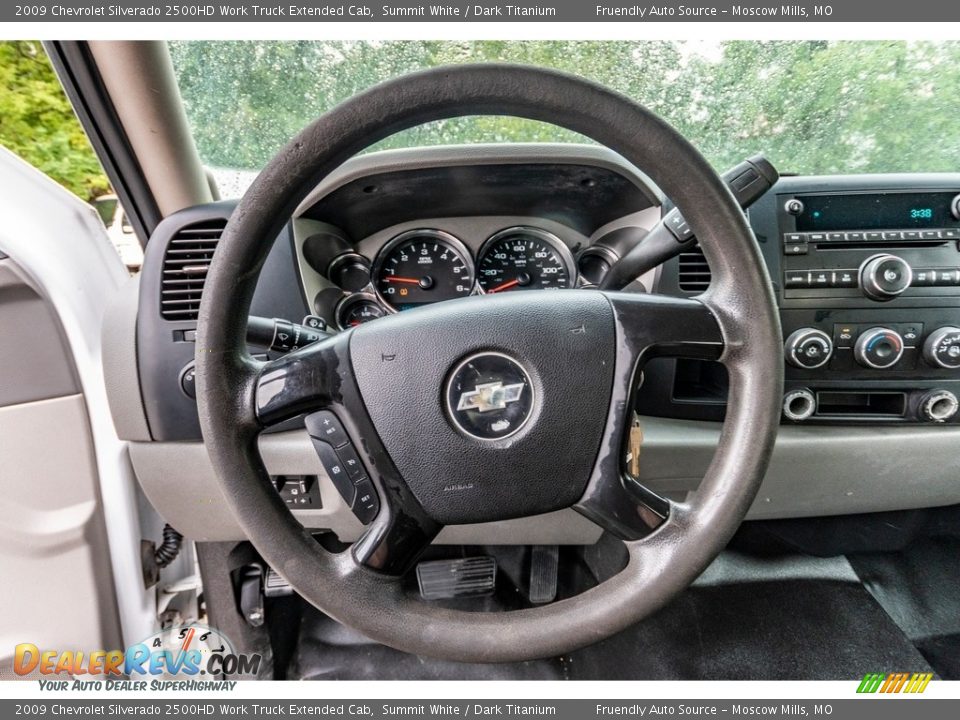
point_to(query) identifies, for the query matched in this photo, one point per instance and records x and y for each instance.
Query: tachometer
(422, 266)
(524, 258)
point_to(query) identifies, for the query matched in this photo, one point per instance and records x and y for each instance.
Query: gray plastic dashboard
(814, 471)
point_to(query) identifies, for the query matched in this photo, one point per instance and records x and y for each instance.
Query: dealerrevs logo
(189, 650)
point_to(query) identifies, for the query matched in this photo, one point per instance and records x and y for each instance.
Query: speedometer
(422, 266)
(524, 258)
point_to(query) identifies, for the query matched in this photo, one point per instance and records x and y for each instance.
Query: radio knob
(808, 348)
(942, 348)
(879, 348)
(884, 277)
(955, 207)
(939, 406)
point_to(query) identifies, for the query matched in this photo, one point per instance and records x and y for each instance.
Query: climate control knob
(879, 348)
(942, 348)
(808, 348)
(884, 277)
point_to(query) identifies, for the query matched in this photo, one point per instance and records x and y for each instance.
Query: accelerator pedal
(544, 563)
(464, 577)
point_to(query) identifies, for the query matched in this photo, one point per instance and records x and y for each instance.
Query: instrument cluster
(424, 266)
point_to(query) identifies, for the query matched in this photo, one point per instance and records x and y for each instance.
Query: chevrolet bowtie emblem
(490, 396)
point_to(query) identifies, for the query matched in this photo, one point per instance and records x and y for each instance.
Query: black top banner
(485, 11)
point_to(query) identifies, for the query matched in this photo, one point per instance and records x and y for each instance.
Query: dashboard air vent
(185, 266)
(694, 273)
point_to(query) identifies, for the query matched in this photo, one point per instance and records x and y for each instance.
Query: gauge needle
(394, 278)
(505, 286)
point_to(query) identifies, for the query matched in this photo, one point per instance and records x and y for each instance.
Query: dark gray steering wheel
(389, 383)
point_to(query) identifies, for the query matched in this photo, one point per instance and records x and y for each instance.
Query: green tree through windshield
(812, 107)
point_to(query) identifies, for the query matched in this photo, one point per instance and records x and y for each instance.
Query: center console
(867, 275)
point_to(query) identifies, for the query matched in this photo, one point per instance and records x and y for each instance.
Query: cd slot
(880, 245)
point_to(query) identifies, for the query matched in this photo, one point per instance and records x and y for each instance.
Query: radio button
(816, 237)
(950, 234)
(796, 280)
(795, 249)
(893, 235)
(873, 236)
(845, 278)
(855, 237)
(789, 238)
(910, 235)
(821, 278)
(929, 234)
(924, 277)
(946, 278)
(836, 236)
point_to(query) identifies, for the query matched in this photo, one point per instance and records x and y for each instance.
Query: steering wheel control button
(366, 504)
(879, 348)
(351, 462)
(325, 426)
(808, 348)
(489, 396)
(942, 348)
(884, 277)
(335, 471)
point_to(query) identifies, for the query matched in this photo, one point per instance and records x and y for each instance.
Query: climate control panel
(872, 366)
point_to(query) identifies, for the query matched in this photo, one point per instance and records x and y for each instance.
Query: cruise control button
(325, 426)
(335, 471)
(367, 504)
(351, 462)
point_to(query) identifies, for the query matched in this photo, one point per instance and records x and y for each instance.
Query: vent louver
(694, 273)
(185, 266)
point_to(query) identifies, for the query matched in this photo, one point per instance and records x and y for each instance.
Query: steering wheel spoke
(302, 381)
(647, 326)
(658, 326)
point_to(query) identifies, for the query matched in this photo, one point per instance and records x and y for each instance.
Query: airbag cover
(565, 341)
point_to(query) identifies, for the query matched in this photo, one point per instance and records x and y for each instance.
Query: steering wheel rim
(739, 308)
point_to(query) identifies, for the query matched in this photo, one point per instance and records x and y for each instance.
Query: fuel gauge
(357, 309)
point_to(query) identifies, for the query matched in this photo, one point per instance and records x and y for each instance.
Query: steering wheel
(497, 407)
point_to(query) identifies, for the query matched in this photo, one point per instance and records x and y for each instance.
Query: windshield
(813, 107)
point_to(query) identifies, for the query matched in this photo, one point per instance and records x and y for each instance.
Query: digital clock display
(871, 211)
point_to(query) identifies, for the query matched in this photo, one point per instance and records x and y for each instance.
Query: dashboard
(865, 269)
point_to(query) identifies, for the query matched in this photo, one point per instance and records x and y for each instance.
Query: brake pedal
(544, 563)
(464, 577)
